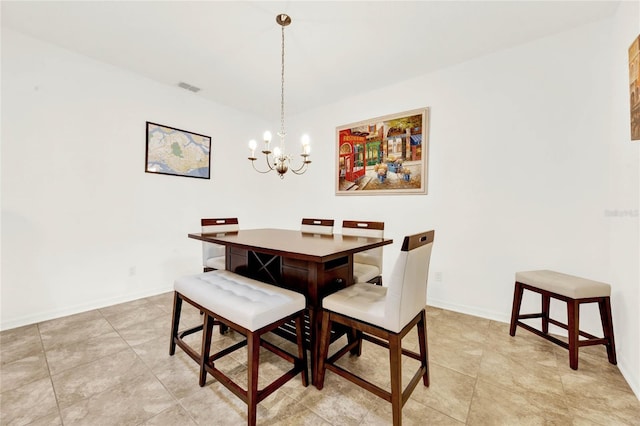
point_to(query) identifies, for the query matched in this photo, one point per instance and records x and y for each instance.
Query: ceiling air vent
(189, 87)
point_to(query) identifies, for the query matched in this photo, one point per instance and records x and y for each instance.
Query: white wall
(623, 200)
(518, 169)
(82, 224)
(522, 165)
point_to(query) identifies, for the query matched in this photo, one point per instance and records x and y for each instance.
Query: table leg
(314, 328)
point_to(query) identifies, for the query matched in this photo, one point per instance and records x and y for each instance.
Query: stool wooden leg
(175, 321)
(207, 329)
(424, 346)
(607, 327)
(573, 330)
(395, 352)
(253, 359)
(515, 310)
(546, 301)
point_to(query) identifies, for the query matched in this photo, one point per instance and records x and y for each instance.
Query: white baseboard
(633, 382)
(71, 310)
(470, 310)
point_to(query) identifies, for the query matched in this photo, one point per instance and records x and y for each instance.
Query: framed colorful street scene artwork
(177, 152)
(383, 156)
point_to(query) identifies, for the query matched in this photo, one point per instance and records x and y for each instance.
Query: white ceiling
(231, 49)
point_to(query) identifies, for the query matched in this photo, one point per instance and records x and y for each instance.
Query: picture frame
(385, 155)
(634, 88)
(171, 151)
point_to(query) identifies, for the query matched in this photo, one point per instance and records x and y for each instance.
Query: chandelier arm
(300, 170)
(253, 163)
(260, 171)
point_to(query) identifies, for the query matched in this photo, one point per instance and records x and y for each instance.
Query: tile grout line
(150, 370)
(55, 393)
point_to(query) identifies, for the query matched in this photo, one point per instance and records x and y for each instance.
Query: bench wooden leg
(573, 331)
(546, 301)
(607, 328)
(515, 310)
(253, 360)
(207, 329)
(175, 321)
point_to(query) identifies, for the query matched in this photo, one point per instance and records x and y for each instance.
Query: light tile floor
(111, 367)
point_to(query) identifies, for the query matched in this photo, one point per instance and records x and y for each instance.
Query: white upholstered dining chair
(367, 265)
(383, 316)
(213, 256)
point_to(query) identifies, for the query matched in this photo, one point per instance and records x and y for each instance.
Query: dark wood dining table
(312, 264)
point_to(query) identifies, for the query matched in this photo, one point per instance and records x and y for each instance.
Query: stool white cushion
(564, 284)
(249, 303)
(363, 301)
(363, 272)
(216, 262)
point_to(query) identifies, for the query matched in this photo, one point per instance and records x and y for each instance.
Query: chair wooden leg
(376, 280)
(546, 301)
(395, 364)
(424, 346)
(515, 310)
(325, 334)
(207, 329)
(355, 336)
(175, 321)
(573, 331)
(302, 352)
(607, 328)
(253, 360)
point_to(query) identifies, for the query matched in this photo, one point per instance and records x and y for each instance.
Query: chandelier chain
(282, 90)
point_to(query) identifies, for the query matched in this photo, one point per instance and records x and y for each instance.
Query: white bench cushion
(566, 285)
(249, 303)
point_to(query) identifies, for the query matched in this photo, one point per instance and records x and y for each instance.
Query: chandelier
(278, 159)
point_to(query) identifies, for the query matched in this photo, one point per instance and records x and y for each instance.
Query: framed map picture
(384, 155)
(177, 152)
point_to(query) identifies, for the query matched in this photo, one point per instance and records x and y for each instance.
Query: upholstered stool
(574, 291)
(250, 307)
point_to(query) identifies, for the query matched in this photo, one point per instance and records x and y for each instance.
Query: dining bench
(249, 307)
(574, 291)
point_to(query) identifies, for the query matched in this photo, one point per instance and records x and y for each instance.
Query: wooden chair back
(317, 226)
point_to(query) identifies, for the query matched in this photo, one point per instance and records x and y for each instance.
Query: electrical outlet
(132, 271)
(438, 277)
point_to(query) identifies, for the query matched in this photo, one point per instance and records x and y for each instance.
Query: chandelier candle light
(278, 160)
